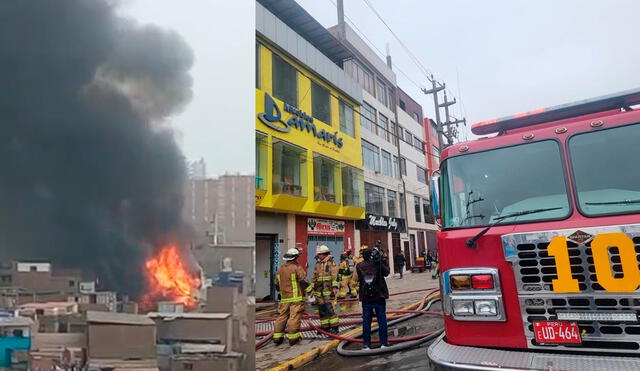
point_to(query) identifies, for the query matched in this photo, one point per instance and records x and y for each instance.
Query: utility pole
(448, 123)
(435, 88)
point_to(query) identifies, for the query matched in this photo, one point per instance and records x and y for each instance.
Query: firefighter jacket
(325, 277)
(345, 270)
(291, 282)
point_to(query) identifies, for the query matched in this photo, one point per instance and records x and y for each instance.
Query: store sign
(272, 117)
(324, 226)
(381, 223)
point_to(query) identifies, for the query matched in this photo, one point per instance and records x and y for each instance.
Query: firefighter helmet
(322, 249)
(292, 254)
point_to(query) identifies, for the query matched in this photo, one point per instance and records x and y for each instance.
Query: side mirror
(435, 192)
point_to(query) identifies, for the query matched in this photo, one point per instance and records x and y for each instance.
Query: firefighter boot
(278, 341)
(294, 341)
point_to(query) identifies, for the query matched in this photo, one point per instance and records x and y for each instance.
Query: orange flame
(170, 279)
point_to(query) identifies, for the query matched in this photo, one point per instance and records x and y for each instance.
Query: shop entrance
(334, 243)
(264, 266)
(395, 244)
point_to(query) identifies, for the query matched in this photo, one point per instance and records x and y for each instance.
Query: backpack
(369, 288)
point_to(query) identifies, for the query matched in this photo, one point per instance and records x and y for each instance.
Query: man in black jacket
(373, 293)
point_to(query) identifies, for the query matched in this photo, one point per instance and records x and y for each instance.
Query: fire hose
(403, 342)
(263, 320)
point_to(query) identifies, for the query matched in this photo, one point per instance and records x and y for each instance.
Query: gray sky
(219, 123)
(504, 56)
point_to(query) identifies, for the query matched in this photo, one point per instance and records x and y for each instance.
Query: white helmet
(322, 249)
(292, 254)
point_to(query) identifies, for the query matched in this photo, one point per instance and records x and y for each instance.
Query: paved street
(270, 355)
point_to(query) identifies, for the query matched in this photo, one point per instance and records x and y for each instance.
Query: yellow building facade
(308, 147)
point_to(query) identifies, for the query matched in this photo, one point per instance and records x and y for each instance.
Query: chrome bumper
(445, 356)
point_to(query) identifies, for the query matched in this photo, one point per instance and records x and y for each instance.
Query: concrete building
(432, 144)
(22, 282)
(395, 168)
(309, 181)
(221, 209)
(420, 219)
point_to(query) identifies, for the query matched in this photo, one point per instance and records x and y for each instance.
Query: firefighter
(325, 285)
(291, 284)
(345, 271)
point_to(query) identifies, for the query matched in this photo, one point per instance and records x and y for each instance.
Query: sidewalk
(270, 355)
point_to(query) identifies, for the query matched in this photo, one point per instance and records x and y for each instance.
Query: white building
(395, 164)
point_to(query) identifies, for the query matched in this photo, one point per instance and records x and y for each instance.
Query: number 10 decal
(630, 279)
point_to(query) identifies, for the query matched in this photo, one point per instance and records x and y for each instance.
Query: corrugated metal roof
(119, 318)
(15, 321)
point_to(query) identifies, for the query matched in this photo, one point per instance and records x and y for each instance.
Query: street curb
(316, 352)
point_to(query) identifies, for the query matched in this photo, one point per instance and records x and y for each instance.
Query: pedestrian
(291, 284)
(429, 260)
(373, 293)
(325, 287)
(436, 267)
(345, 273)
(399, 262)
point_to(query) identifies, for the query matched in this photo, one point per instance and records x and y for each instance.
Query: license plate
(557, 332)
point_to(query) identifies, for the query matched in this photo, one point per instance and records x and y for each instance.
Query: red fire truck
(540, 241)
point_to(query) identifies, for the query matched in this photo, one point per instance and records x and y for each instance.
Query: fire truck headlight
(463, 307)
(472, 294)
(486, 307)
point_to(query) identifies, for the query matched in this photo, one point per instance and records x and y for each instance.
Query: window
(381, 92)
(408, 137)
(72, 283)
(374, 199)
(289, 169)
(417, 143)
(606, 178)
(396, 167)
(386, 163)
(403, 166)
(369, 119)
(391, 99)
(400, 133)
(392, 203)
(320, 103)
(403, 106)
(325, 174)
(5, 278)
(285, 81)
(346, 119)
(384, 127)
(403, 203)
(422, 175)
(428, 212)
(261, 161)
(352, 186)
(479, 187)
(393, 133)
(370, 156)
(416, 117)
(360, 74)
(416, 204)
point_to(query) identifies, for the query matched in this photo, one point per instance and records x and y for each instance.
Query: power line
(424, 69)
(382, 55)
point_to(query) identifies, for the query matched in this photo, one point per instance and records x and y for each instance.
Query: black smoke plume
(90, 174)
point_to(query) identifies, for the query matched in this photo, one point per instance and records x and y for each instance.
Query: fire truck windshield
(478, 188)
(605, 170)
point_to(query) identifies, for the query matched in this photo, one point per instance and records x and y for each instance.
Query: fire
(169, 278)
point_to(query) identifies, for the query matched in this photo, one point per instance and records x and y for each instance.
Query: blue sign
(272, 117)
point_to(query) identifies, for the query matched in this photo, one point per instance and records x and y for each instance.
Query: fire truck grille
(534, 271)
